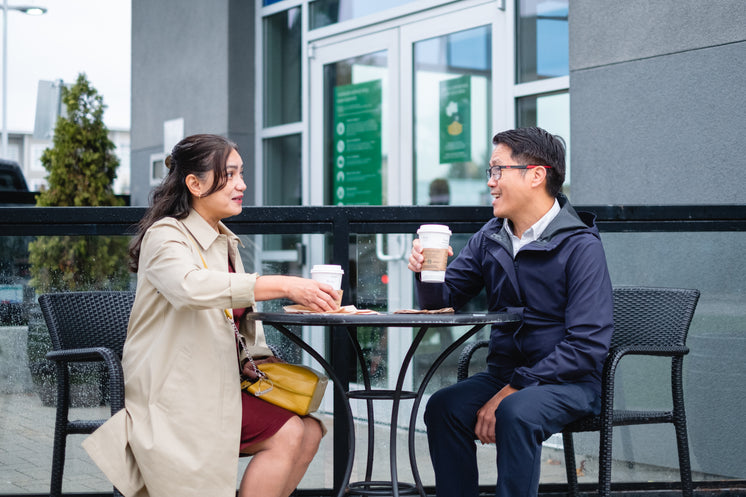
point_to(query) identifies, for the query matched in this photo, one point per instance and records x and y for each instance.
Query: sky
(74, 36)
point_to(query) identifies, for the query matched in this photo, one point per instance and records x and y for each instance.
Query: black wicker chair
(84, 327)
(647, 321)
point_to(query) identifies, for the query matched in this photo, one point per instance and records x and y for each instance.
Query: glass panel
(282, 183)
(326, 12)
(452, 92)
(355, 124)
(28, 386)
(713, 373)
(542, 49)
(713, 370)
(282, 174)
(552, 112)
(282, 67)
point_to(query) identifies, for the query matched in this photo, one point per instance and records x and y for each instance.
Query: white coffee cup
(434, 239)
(331, 274)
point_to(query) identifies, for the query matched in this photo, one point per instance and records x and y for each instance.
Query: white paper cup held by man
(434, 239)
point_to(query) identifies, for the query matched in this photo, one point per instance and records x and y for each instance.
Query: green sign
(455, 120)
(357, 144)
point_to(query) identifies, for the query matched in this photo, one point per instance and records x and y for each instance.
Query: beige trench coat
(179, 432)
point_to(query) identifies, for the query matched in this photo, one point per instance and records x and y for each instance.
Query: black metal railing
(340, 223)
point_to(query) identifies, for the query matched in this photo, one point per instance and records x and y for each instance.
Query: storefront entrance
(402, 114)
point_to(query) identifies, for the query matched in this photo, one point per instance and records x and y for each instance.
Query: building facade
(345, 102)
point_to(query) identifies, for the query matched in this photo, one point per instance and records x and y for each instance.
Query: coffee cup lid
(327, 268)
(434, 228)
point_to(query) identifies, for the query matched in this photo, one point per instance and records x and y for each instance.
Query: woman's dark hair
(537, 146)
(196, 154)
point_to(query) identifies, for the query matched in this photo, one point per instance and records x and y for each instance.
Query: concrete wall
(658, 108)
(658, 101)
(192, 60)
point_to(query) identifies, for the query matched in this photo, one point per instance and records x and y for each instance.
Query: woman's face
(227, 201)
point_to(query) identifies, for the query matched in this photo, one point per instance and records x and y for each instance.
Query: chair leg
(572, 473)
(687, 489)
(604, 461)
(679, 422)
(58, 463)
(60, 430)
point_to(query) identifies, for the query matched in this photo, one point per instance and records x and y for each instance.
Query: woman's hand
(317, 296)
(313, 294)
(248, 368)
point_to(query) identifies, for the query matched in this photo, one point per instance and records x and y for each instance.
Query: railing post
(342, 351)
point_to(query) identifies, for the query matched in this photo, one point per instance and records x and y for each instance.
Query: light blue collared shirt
(535, 231)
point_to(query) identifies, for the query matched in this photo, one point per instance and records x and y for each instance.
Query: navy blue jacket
(560, 286)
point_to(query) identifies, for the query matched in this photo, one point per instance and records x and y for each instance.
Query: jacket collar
(203, 232)
(568, 221)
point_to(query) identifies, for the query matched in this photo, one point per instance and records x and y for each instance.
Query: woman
(186, 419)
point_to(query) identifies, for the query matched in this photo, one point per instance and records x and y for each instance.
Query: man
(541, 259)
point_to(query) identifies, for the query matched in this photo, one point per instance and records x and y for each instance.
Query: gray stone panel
(609, 32)
(663, 130)
(192, 60)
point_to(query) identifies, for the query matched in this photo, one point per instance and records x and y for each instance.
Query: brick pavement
(26, 454)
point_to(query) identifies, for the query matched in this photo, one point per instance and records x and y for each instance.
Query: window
(551, 112)
(282, 67)
(451, 118)
(282, 170)
(326, 12)
(542, 47)
(542, 69)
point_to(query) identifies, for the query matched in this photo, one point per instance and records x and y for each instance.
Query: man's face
(512, 192)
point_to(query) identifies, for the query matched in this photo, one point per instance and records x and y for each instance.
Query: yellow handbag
(293, 387)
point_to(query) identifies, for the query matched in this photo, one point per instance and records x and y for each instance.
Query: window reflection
(452, 92)
(282, 183)
(282, 68)
(282, 175)
(326, 12)
(356, 130)
(542, 48)
(550, 111)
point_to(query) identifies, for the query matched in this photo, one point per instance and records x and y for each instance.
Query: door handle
(300, 250)
(397, 247)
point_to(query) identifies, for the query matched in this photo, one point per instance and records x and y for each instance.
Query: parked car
(14, 292)
(11, 177)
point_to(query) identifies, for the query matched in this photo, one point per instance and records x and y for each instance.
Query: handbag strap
(239, 338)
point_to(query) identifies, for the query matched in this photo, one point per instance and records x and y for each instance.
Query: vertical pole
(342, 353)
(5, 79)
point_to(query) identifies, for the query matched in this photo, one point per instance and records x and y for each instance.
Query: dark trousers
(524, 420)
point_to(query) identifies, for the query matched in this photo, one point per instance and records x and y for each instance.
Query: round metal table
(350, 322)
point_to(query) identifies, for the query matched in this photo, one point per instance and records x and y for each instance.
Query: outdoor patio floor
(26, 454)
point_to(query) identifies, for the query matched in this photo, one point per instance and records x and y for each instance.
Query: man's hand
(485, 428)
(416, 258)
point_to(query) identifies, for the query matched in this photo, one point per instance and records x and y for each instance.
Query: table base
(380, 488)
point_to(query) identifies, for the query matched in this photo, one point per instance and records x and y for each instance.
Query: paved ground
(26, 453)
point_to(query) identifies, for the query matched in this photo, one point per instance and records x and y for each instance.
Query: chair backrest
(87, 319)
(647, 316)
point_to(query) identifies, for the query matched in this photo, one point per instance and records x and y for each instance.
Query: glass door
(354, 109)
(404, 116)
(451, 106)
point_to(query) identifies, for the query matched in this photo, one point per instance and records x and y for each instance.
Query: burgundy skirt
(260, 420)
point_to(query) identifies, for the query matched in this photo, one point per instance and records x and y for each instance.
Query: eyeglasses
(496, 172)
